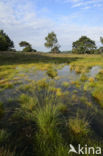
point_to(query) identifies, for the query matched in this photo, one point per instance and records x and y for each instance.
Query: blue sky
(31, 20)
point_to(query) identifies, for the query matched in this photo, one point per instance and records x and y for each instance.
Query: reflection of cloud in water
(94, 71)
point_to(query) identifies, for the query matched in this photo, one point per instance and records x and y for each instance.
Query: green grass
(78, 126)
(43, 122)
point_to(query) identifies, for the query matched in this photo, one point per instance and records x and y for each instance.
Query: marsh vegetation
(48, 101)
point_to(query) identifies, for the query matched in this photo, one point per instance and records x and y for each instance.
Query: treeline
(84, 45)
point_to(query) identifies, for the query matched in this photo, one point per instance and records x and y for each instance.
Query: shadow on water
(21, 58)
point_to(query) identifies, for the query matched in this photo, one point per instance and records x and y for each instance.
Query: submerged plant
(52, 72)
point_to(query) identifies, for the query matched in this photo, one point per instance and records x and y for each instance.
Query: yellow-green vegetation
(3, 136)
(41, 116)
(83, 77)
(78, 126)
(52, 72)
(65, 84)
(84, 100)
(62, 108)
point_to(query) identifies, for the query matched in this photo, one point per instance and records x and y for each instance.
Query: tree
(101, 39)
(84, 45)
(52, 42)
(27, 46)
(24, 44)
(100, 50)
(5, 42)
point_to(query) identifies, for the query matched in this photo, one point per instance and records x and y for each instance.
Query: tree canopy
(52, 42)
(24, 44)
(84, 45)
(5, 42)
(27, 46)
(101, 39)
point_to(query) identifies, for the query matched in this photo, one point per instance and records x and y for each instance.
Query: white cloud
(85, 3)
(23, 23)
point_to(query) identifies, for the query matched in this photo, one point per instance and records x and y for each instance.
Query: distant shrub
(34, 50)
(27, 46)
(27, 49)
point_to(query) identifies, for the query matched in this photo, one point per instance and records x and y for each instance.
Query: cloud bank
(21, 20)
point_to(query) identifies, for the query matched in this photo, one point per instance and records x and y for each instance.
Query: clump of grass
(83, 77)
(62, 108)
(3, 136)
(89, 86)
(61, 150)
(74, 98)
(42, 84)
(28, 102)
(59, 92)
(99, 76)
(47, 118)
(91, 79)
(76, 83)
(98, 93)
(48, 136)
(78, 68)
(84, 100)
(78, 126)
(4, 84)
(65, 84)
(51, 72)
(28, 106)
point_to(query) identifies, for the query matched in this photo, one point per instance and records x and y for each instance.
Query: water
(94, 71)
(64, 74)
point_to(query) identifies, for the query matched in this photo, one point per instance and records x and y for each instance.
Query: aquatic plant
(78, 126)
(83, 77)
(91, 79)
(65, 84)
(52, 72)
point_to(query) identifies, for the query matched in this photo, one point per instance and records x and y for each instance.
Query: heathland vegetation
(50, 100)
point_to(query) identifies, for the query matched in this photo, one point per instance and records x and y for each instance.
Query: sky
(32, 20)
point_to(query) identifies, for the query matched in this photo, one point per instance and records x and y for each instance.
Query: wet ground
(77, 97)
